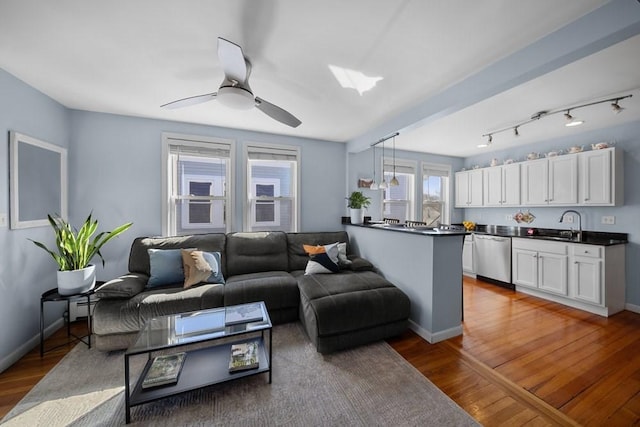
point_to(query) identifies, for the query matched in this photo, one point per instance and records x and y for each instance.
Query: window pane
(271, 178)
(435, 196)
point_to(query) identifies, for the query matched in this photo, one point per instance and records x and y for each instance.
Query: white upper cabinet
(502, 185)
(600, 182)
(591, 178)
(563, 180)
(469, 188)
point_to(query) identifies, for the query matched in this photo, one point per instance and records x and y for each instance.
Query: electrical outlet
(509, 217)
(609, 219)
(568, 218)
(3, 219)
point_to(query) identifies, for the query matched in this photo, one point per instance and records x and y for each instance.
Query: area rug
(366, 386)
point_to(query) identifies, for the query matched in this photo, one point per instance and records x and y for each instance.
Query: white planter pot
(357, 216)
(76, 281)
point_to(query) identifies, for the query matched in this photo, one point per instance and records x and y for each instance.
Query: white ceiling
(130, 56)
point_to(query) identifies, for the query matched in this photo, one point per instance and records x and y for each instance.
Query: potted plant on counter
(358, 202)
(76, 248)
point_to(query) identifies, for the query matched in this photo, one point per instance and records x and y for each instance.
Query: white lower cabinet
(588, 277)
(468, 267)
(540, 265)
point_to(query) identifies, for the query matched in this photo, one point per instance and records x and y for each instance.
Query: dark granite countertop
(588, 237)
(425, 231)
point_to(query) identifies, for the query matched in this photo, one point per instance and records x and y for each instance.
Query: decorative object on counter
(469, 225)
(509, 161)
(75, 251)
(365, 182)
(358, 202)
(576, 149)
(476, 167)
(533, 156)
(391, 220)
(545, 113)
(494, 162)
(524, 217)
(554, 153)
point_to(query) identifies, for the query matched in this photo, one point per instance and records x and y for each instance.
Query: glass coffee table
(207, 364)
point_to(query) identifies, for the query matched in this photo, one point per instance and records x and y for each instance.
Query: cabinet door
(587, 279)
(563, 180)
(595, 177)
(493, 192)
(475, 188)
(535, 181)
(467, 257)
(511, 185)
(552, 273)
(462, 189)
(524, 268)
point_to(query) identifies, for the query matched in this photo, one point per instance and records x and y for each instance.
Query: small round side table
(54, 295)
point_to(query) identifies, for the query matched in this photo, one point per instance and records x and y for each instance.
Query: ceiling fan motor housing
(236, 96)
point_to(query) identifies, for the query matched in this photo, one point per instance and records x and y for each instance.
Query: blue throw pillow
(213, 259)
(166, 267)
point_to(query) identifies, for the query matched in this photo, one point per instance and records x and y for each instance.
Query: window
(272, 188)
(398, 201)
(435, 194)
(196, 185)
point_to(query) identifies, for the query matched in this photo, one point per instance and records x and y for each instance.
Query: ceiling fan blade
(232, 59)
(192, 100)
(277, 113)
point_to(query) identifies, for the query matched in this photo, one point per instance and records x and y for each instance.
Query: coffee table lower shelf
(202, 367)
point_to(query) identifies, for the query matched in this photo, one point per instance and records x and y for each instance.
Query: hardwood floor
(527, 361)
(521, 361)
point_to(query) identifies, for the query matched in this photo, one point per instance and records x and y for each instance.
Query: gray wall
(114, 172)
(627, 138)
(25, 271)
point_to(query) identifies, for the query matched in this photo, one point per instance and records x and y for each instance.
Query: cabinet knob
(586, 200)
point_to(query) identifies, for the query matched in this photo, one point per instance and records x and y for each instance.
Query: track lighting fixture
(394, 181)
(383, 184)
(571, 120)
(374, 184)
(616, 108)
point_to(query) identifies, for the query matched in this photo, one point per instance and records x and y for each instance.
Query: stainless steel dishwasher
(493, 258)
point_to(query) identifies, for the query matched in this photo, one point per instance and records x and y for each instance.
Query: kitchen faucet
(579, 221)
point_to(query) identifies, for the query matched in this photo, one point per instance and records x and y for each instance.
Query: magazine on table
(244, 356)
(164, 370)
(244, 313)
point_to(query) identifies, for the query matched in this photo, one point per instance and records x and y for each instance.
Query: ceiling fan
(234, 91)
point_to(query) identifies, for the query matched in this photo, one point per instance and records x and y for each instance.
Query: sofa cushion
(123, 287)
(278, 289)
(256, 252)
(298, 258)
(201, 267)
(139, 258)
(348, 301)
(165, 266)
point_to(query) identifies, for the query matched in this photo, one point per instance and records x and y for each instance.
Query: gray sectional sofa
(351, 307)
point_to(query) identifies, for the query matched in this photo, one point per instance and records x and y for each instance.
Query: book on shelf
(244, 356)
(164, 370)
(244, 313)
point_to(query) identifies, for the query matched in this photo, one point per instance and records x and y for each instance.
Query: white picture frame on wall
(38, 181)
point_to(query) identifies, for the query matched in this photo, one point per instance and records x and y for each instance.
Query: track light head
(616, 107)
(490, 139)
(515, 131)
(568, 115)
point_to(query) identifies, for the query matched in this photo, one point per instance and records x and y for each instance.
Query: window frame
(446, 209)
(405, 167)
(168, 171)
(256, 147)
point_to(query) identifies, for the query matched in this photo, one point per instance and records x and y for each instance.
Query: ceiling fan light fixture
(236, 97)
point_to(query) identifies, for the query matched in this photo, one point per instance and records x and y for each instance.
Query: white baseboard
(437, 336)
(632, 307)
(25, 348)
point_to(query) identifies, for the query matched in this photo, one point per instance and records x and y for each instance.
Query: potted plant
(76, 248)
(358, 202)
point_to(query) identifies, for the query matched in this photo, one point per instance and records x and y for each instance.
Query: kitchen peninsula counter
(426, 264)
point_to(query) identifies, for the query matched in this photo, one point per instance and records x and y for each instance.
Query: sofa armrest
(123, 287)
(359, 264)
